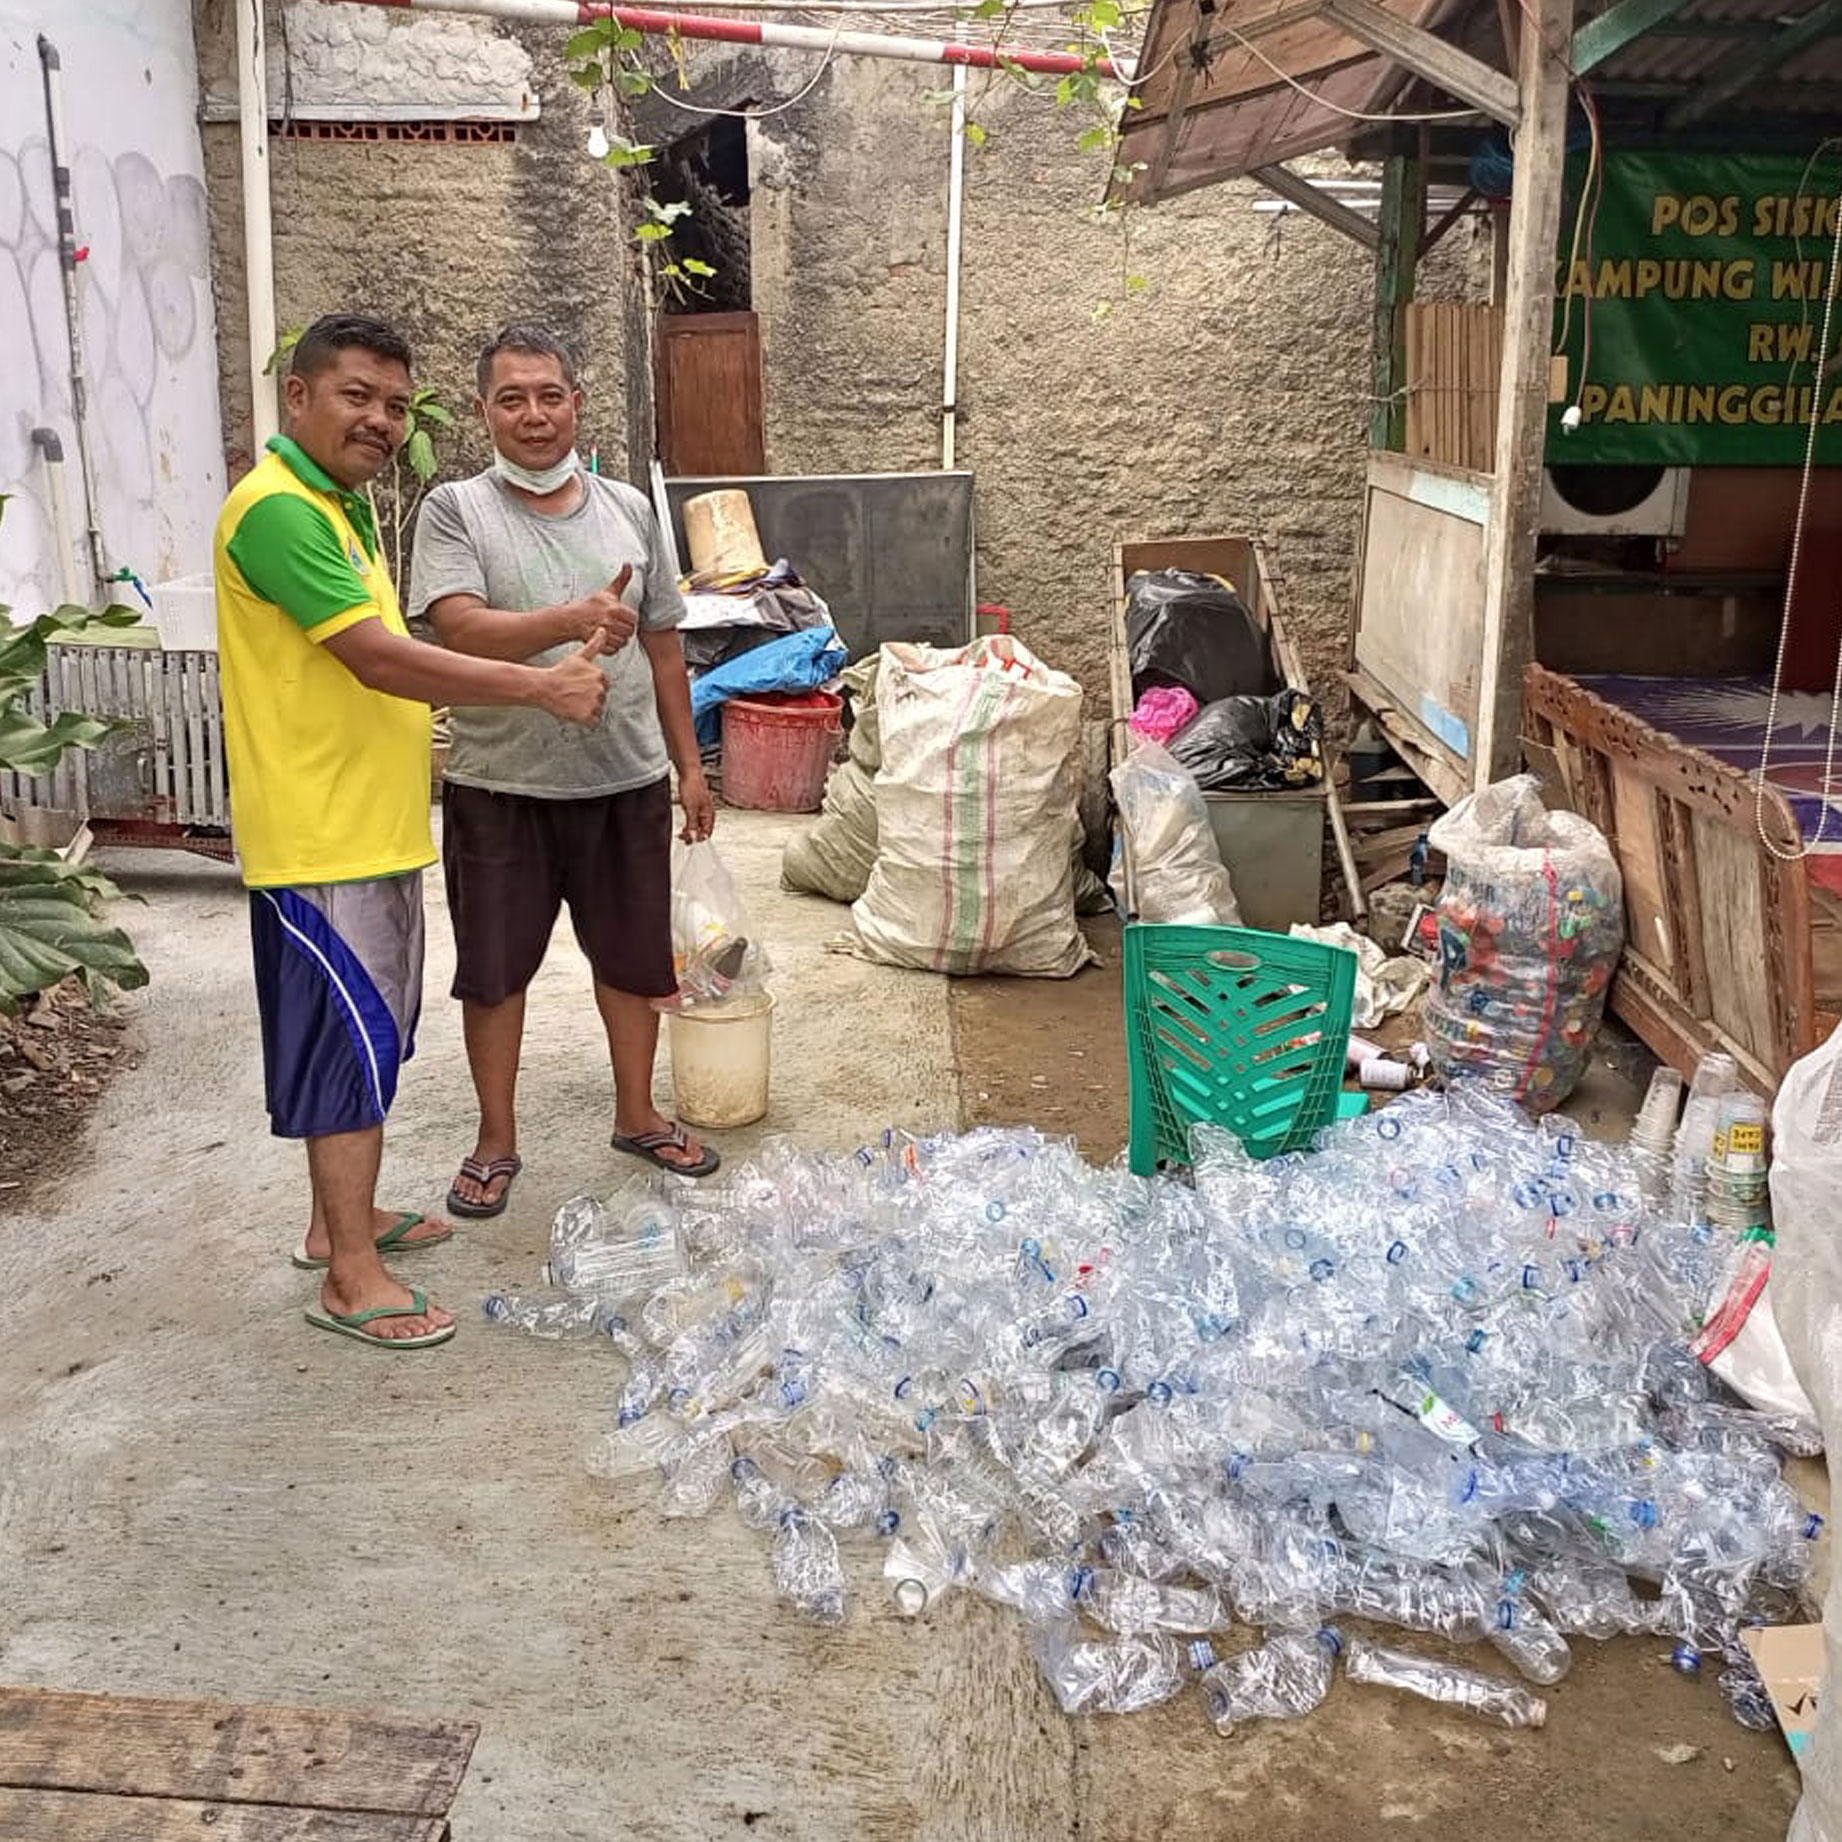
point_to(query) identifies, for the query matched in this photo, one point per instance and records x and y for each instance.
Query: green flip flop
(353, 1324)
(392, 1240)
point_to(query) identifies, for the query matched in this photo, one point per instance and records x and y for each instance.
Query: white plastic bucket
(185, 614)
(720, 1061)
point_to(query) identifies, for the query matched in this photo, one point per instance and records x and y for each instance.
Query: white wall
(130, 102)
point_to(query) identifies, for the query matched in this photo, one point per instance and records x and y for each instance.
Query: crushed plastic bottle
(1285, 1677)
(1506, 1703)
(1433, 1374)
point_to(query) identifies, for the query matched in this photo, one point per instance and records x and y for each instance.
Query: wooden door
(709, 394)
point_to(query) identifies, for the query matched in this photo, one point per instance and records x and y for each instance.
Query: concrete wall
(130, 99)
(1230, 395)
(447, 241)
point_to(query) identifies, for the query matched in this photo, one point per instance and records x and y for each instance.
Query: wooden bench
(106, 1768)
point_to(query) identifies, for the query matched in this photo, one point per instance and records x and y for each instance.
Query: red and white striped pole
(766, 32)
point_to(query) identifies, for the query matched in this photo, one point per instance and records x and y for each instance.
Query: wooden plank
(76, 1816)
(1651, 1012)
(1681, 914)
(1826, 947)
(1372, 812)
(1640, 859)
(1402, 217)
(1733, 920)
(318, 1758)
(1522, 417)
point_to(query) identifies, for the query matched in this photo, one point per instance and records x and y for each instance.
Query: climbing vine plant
(604, 60)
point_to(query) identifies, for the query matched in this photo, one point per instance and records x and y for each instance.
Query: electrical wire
(1807, 846)
(773, 108)
(1335, 108)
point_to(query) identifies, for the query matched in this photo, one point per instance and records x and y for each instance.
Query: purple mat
(1726, 718)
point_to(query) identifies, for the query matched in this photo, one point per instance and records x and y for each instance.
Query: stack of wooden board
(106, 1768)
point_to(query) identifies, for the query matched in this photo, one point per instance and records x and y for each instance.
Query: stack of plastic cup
(1739, 1195)
(1653, 1133)
(1715, 1075)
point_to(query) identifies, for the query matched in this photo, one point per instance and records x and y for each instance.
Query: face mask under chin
(542, 481)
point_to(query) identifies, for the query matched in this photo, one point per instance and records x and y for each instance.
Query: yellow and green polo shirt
(329, 780)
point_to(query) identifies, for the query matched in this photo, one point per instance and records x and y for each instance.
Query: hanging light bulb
(598, 146)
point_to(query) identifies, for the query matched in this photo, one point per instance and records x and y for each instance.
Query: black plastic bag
(1187, 629)
(1254, 744)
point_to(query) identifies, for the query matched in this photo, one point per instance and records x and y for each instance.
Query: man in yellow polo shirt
(326, 717)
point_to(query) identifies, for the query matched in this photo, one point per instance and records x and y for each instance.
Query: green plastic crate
(1230, 1027)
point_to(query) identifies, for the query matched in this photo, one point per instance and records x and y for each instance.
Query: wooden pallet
(106, 1768)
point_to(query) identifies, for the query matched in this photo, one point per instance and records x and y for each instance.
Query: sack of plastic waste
(1807, 1280)
(977, 829)
(1531, 923)
(1177, 869)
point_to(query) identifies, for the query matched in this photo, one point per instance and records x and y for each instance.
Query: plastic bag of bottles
(1177, 869)
(713, 946)
(1531, 923)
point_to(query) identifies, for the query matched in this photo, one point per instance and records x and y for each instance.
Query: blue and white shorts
(339, 989)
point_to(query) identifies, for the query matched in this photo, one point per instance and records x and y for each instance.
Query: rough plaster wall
(448, 242)
(354, 61)
(1231, 395)
(129, 98)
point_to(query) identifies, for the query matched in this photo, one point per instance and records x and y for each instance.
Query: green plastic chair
(1232, 1027)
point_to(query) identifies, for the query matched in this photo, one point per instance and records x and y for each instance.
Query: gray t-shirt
(477, 537)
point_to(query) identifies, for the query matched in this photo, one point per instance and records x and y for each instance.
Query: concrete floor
(200, 1495)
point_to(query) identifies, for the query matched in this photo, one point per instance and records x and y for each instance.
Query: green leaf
(629, 153)
(590, 42)
(989, 9)
(1065, 92)
(1103, 15)
(652, 233)
(588, 76)
(437, 414)
(635, 83)
(1094, 139)
(419, 455)
(50, 931)
(692, 266)
(627, 40)
(1136, 283)
(975, 135)
(32, 747)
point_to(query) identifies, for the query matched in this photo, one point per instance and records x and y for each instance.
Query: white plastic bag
(1807, 1269)
(714, 948)
(1177, 870)
(975, 814)
(1531, 923)
(1740, 1340)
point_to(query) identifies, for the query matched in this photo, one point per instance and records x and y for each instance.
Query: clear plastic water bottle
(1121, 1676)
(551, 1318)
(1285, 1677)
(807, 1568)
(1506, 1703)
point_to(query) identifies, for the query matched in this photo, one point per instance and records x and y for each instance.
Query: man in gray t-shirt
(524, 562)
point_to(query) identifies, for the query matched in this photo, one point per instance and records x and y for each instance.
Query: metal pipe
(956, 193)
(258, 223)
(770, 33)
(52, 448)
(68, 258)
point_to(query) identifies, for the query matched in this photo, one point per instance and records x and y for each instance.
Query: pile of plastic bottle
(1432, 1375)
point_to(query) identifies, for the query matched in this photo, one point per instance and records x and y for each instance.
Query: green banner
(1691, 314)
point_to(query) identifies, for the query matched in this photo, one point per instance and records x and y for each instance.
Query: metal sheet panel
(891, 553)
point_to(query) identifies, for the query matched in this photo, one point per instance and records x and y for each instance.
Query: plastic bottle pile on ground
(1431, 1376)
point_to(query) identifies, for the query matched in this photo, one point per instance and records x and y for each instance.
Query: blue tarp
(800, 662)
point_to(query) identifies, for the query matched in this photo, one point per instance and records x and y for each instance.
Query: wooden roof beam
(1299, 191)
(1616, 27)
(1822, 20)
(1431, 57)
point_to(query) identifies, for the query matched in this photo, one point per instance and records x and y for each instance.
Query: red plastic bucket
(777, 749)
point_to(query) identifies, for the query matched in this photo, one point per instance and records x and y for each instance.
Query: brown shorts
(512, 862)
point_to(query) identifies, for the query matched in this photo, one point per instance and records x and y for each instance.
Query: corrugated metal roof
(1227, 90)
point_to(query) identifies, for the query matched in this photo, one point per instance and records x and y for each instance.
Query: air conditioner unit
(1583, 501)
